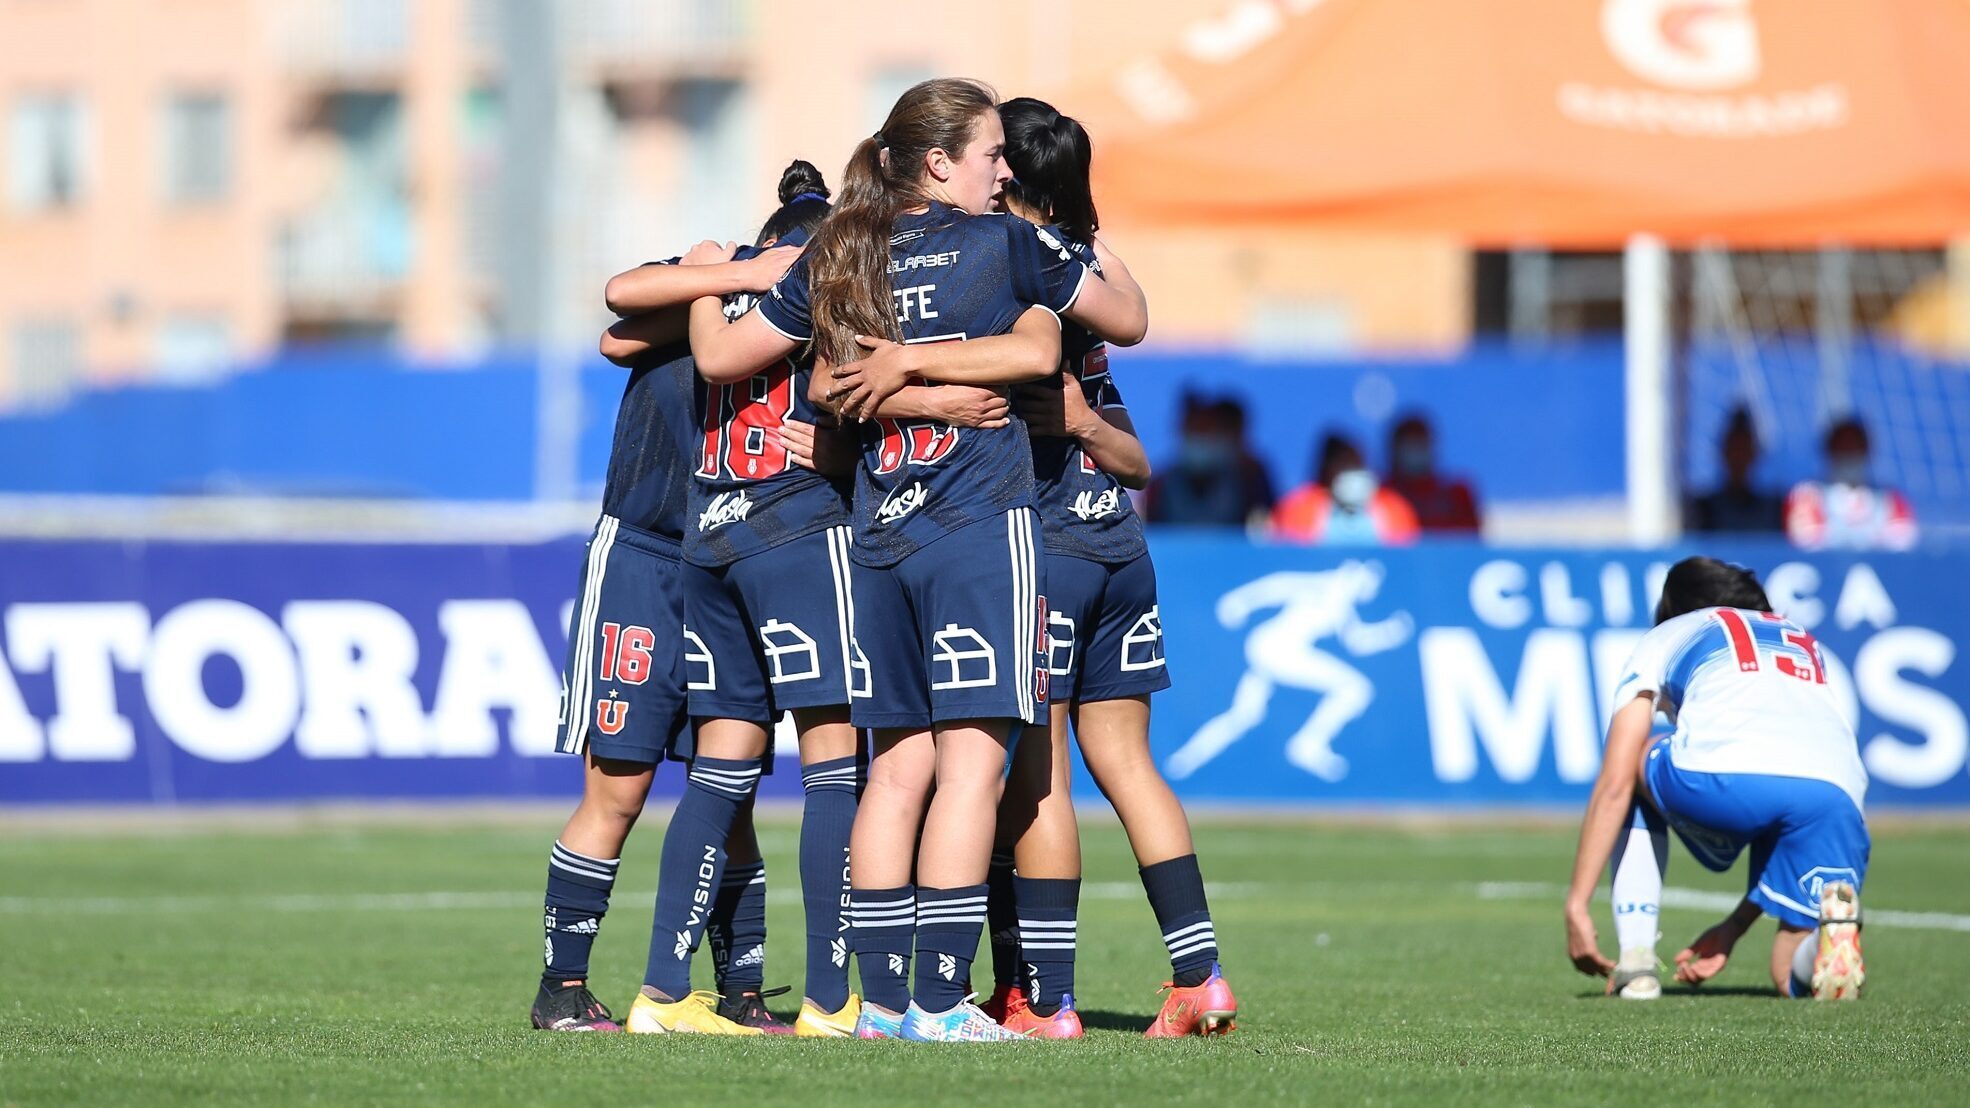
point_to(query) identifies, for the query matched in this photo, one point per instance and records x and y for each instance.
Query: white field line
(440, 901)
(1722, 902)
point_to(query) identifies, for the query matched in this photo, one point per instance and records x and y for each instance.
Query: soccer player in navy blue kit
(947, 575)
(1105, 653)
(624, 681)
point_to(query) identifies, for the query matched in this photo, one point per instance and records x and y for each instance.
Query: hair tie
(808, 196)
(880, 141)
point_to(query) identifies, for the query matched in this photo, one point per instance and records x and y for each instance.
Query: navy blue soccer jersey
(746, 496)
(1084, 513)
(953, 276)
(648, 483)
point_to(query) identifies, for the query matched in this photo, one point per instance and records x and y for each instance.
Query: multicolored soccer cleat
(964, 1023)
(1006, 999)
(569, 1006)
(695, 1014)
(1838, 972)
(1636, 976)
(813, 1023)
(1205, 1009)
(1063, 1024)
(748, 1009)
(877, 1023)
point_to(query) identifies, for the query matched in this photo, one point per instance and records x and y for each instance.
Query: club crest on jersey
(902, 502)
(726, 507)
(1090, 506)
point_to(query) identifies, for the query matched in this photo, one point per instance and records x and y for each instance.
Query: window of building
(47, 357)
(197, 148)
(192, 348)
(47, 152)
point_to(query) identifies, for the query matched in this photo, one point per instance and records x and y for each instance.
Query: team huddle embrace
(869, 472)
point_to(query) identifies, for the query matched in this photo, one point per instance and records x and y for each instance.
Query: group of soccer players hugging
(819, 502)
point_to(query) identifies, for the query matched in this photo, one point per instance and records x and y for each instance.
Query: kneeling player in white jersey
(1760, 756)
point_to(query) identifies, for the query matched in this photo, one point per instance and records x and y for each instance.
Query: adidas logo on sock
(947, 967)
(838, 953)
(754, 957)
(587, 926)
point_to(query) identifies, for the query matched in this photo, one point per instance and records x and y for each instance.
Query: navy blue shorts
(622, 686)
(1802, 832)
(770, 632)
(1104, 630)
(957, 630)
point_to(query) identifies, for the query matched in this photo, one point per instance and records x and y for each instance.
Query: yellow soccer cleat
(695, 1014)
(813, 1023)
(1838, 972)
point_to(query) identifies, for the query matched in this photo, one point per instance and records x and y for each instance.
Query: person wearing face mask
(1441, 503)
(1344, 505)
(1737, 505)
(1215, 480)
(1848, 511)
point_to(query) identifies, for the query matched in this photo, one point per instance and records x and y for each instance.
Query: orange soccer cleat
(1206, 1009)
(1063, 1024)
(1006, 999)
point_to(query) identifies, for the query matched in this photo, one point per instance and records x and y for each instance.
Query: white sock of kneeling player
(1803, 960)
(1640, 860)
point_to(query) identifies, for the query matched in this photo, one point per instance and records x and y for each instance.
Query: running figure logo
(1280, 653)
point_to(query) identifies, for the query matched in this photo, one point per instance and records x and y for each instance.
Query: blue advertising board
(1450, 674)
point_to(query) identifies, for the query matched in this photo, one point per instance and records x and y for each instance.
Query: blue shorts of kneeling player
(1104, 630)
(955, 630)
(1802, 832)
(622, 686)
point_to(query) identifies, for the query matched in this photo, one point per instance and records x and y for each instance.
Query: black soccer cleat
(569, 1006)
(749, 1010)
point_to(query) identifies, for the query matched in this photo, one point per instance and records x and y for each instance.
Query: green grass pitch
(374, 962)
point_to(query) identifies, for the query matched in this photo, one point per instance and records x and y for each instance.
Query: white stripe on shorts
(839, 539)
(581, 683)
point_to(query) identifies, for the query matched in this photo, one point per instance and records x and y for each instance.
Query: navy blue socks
(693, 866)
(1176, 895)
(577, 899)
(737, 931)
(1047, 926)
(949, 922)
(827, 818)
(884, 924)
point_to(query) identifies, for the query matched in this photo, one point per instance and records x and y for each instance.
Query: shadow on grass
(1100, 1019)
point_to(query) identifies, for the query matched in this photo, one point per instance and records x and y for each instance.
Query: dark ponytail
(803, 202)
(1049, 154)
(848, 258)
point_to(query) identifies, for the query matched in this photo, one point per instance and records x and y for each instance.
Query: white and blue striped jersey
(1748, 693)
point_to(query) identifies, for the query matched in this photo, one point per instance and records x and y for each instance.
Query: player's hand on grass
(1704, 959)
(1583, 946)
(970, 406)
(769, 266)
(861, 386)
(709, 252)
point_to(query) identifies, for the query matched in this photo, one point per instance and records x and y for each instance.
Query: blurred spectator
(1736, 505)
(1441, 503)
(1846, 511)
(1344, 505)
(1216, 481)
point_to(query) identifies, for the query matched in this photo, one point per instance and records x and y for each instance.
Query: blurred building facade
(191, 184)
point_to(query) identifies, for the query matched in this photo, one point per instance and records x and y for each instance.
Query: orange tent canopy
(1566, 122)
